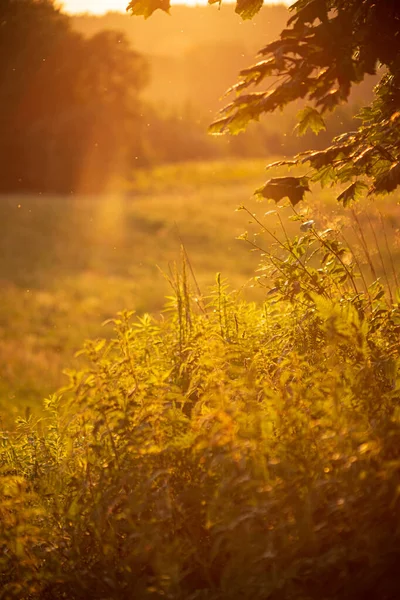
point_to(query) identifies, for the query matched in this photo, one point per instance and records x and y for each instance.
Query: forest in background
(87, 100)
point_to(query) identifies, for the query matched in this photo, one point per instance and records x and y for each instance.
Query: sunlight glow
(102, 6)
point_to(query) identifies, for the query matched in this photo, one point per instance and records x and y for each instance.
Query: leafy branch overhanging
(326, 48)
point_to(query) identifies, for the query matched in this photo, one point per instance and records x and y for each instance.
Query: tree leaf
(388, 181)
(364, 158)
(312, 10)
(352, 192)
(146, 8)
(309, 118)
(329, 101)
(248, 8)
(233, 125)
(278, 188)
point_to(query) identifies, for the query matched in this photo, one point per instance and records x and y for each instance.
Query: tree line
(70, 106)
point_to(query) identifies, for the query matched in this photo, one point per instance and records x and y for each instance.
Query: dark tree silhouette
(69, 106)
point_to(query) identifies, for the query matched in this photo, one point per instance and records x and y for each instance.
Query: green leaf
(388, 181)
(248, 8)
(329, 101)
(326, 158)
(312, 10)
(324, 175)
(233, 124)
(218, 127)
(282, 163)
(351, 193)
(146, 8)
(278, 188)
(365, 157)
(309, 118)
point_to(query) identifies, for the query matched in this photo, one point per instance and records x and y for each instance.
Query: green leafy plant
(222, 451)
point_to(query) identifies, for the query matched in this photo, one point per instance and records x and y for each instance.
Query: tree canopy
(66, 102)
(326, 48)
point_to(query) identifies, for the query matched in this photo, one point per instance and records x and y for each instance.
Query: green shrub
(224, 451)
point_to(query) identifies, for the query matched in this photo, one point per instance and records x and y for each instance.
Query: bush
(223, 451)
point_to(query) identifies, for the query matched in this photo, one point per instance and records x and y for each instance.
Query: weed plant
(69, 263)
(226, 450)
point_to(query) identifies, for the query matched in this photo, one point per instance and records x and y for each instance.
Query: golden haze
(103, 6)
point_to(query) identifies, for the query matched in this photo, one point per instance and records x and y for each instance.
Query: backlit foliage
(327, 47)
(222, 451)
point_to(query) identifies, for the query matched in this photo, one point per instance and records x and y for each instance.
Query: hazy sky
(101, 6)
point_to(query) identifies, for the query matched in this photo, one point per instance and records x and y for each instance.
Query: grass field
(69, 263)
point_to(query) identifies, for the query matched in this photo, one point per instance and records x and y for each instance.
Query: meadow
(67, 264)
(236, 440)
